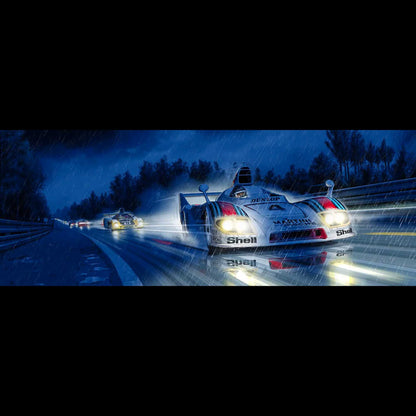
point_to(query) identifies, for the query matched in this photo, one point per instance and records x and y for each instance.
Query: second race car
(122, 220)
(246, 215)
(83, 223)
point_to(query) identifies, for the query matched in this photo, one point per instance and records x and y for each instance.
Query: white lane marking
(380, 209)
(404, 234)
(125, 272)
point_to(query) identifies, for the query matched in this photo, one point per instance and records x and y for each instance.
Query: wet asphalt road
(382, 253)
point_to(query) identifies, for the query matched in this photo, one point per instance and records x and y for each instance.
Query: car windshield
(122, 217)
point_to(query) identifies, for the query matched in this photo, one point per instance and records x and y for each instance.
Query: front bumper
(283, 237)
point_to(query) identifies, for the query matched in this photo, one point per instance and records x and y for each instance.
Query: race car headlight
(336, 218)
(226, 225)
(234, 225)
(341, 217)
(115, 224)
(242, 226)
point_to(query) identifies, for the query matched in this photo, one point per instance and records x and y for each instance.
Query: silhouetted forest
(353, 162)
(126, 189)
(21, 179)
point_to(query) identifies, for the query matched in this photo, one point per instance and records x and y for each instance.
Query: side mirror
(330, 185)
(203, 188)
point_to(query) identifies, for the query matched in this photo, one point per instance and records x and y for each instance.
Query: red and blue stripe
(323, 203)
(225, 209)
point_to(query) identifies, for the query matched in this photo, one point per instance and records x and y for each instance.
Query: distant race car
(72, 224)
(82, 223)
(122, 220)
(246, 215)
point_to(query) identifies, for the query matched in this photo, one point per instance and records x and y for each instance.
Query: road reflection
(300, 266)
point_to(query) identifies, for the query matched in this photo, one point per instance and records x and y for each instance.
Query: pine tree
(337, 143)
(269, 178)
(370, 154)
(147, 176)
(257, 175)
(400, 167)
(94, 204)
(321, 169)
(21, 179)
(178, 168)
(357, 150)
(162, 172)
(201, 171)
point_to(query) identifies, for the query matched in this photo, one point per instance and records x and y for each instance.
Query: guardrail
(16, 233)
(378, 194)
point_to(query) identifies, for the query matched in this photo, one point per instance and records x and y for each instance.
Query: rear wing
(200, 194)
(183, 201)
(111, 214)
(107, 214)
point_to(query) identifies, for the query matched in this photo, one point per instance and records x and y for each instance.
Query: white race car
(122, 220)
(246, 215)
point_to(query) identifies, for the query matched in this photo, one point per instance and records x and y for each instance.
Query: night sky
(77, 162)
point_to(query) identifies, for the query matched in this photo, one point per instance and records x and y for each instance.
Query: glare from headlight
(330, 219)
(336, 218)
(227, 225)
(234, 225)
(340, 218)
(242, 227)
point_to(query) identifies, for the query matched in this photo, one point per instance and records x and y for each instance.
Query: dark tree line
(21, 179)
(359, 162)
(126, 190)
(354, 162)
(362, 163)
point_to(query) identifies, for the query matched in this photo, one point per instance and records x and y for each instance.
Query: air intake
(243, 176)
(288, 236)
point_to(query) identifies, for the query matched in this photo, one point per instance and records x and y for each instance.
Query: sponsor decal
(343, 232)
(270, 199)
(295, 221)
(236, 263)
(241, 240)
